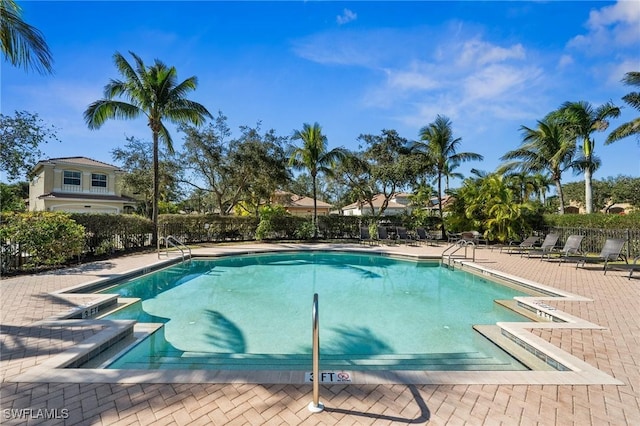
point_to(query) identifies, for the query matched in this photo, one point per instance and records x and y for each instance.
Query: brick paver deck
(28, 340)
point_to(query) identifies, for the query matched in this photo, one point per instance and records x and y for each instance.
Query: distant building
(78, 185)
(398, 204)
(300, 205)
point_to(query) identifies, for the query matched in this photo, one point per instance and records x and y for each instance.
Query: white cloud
(565, 61)
(611, 26)
(346, 17)
(478, 52)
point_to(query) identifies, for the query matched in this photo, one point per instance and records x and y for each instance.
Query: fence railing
(112, 239)
(594, 238)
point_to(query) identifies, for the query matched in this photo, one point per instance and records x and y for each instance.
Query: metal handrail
(316, 406)
(458, 245)
(174, 242)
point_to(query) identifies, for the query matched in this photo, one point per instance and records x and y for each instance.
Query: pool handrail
(457, 245)
(315, 406)
(174, 242)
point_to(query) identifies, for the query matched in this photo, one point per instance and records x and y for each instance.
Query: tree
(439, 148)
(12, 196)
(152, 92)
(631, 78)
(22, 44)
(226, 169)
(314, 157)
(20, 139)
(581, 119)
(545, 148)
(138, 163)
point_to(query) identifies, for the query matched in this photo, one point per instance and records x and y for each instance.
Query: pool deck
(29, 340)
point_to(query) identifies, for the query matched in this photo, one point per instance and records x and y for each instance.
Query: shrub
(46, 238)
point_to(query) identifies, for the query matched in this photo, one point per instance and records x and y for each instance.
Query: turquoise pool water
(254, 311)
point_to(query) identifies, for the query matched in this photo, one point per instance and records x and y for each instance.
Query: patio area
(28, 340)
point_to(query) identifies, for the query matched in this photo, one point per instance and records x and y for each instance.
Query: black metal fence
(121, 235)
(594, 239)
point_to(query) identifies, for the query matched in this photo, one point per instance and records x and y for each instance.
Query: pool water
(254, 311)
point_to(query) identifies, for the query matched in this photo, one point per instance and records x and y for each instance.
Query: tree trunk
(560, 195)
(588, 191)
(156, 193)
(315, 208)
(444, 231)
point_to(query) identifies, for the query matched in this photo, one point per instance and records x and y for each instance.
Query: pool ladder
(455, 247)
(172, 241)
(315, 406)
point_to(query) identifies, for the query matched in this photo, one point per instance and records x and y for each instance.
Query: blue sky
(353, 67)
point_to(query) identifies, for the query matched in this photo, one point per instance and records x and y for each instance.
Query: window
(98, 180)
(71, 178)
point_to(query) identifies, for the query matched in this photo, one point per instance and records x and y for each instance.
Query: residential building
(398, 204)
(300, 205)
(79, 185)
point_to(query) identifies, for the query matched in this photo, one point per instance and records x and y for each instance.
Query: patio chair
(402, 235)
(365, 235)
(383, 235)
(548, 245)
(423, 236)
(527, 244)
(571, 248)
(453, 237)
(611, 252)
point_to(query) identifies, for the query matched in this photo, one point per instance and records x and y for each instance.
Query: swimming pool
(254, 312)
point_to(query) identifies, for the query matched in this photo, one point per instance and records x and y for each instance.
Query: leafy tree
(155, 93)
(489, 205)
(260, 163)
(12, 196)
(581, 119)
(439, 149)
(631, 78)
(383, 169)
(137, 161)
(242, 172)
(20, 139)
(22, 44)
(545, 148)
(314, 156)
(607, 192)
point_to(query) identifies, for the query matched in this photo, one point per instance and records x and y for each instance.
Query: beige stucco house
(79, 185)
(398, 204)
(300, 205)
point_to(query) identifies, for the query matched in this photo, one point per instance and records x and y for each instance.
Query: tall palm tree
(545, 148)
(631, 78)
(582, 119)
(152, 92)
(314, 157)
(439, 148)
(22, 44)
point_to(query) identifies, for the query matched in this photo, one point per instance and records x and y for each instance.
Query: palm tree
(581, 120)
(546, 147)
(633, 99)
(22, 44)
(152, 92)
(314, 157)
(438, 146)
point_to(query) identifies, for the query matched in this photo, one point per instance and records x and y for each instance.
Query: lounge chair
(611, 252)
(453, 237)
(383, 235)
(548, 245)
(402, 235)
(423, 236)
(571, 248)
(365, 236)
(527, 244)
